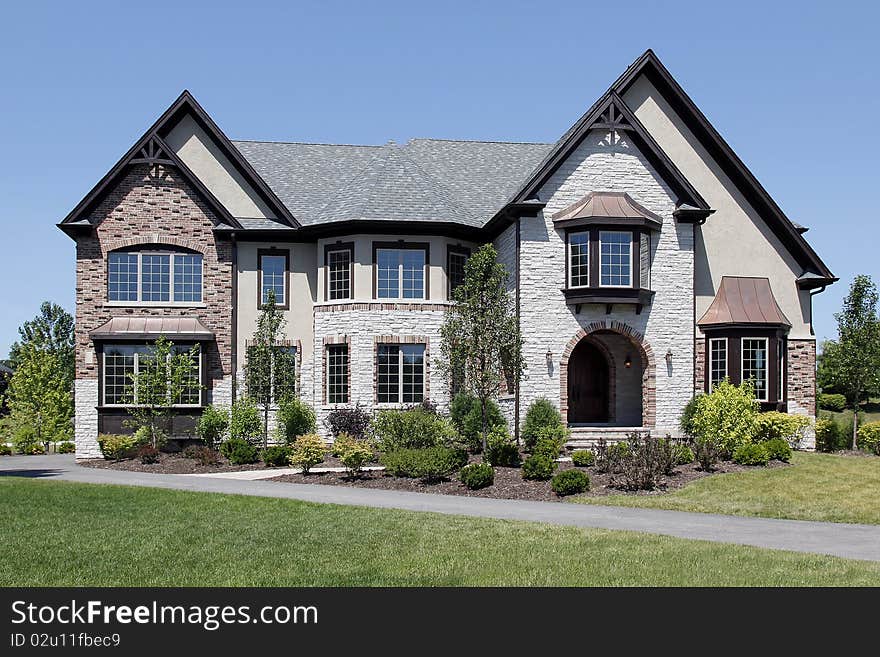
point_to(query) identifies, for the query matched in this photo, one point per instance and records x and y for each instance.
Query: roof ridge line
(303, 143)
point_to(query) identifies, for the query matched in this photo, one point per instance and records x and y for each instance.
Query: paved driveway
(843, 540)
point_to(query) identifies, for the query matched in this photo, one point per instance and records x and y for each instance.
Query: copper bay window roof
(743, 300)
(615, 207)
(150, 328)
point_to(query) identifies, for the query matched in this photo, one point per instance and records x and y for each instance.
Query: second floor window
(339, 274)
(578, 260)
(273, 276)
(400, 273)
(401, 374)
(615, 258)
(457, 259)
(154, 277)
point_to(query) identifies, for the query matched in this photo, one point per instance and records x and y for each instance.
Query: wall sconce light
(549, 357)
(628, 361)
(669, 356)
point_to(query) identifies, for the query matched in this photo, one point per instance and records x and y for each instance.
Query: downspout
(234, 333)
(519, 329)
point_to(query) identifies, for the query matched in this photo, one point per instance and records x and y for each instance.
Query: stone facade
(699, 365)
(801, 383)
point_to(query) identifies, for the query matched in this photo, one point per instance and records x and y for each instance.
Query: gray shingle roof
(464, 182)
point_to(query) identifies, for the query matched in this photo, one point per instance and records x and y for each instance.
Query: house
(646, 261)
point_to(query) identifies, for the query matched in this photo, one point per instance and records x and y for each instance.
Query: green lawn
(815, 487)
(57, 533)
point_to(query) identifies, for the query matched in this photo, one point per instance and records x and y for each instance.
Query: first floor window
(401, 374)
(123, 363)
(578, 259)
(339, 274)
(337, 374)
(754, 365)
(273, 277)
(271, 373)
(150, 277)
(615, 259)
(780, 370)
(717, 361)
(400, 273)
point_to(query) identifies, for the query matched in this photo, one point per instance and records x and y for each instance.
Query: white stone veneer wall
(548, 323)
(85, 396)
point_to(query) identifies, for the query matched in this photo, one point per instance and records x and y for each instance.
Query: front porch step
(588, 437)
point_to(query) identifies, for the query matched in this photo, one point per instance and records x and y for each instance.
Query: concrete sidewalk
(838, 539)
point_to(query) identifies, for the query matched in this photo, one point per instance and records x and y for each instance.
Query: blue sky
(793, 87)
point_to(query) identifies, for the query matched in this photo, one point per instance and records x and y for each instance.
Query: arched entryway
(589, 384)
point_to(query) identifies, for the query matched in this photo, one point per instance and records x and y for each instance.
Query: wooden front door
(587, 385)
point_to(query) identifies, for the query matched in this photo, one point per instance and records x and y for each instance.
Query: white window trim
(350, 275)
(284, 276)
(621, 232)
(140, 271)
(781, 359)
(135, 405)
(400, 347)
(742, 361)
(726, 356)
(400, 296)
(568, 259)
(327, 349)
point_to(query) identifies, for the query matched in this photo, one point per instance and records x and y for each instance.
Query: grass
(817, 487)
(60, 534)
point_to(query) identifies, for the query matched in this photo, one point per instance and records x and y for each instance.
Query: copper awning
(742, 300)
(608, 207)
(150, 328)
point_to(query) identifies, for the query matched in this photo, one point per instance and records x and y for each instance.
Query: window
(578, 259)
(401, 374)
(615, 259)
(339, 274)
(455, 262)
(273, 276)
(154, 277)
(717, 361)
(754, 365)
(281, 368)
(400, 273)
(780, 370)
(337, 374)
(123, 362)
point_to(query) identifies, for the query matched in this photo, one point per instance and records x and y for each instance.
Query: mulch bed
(179, 464)
(509, 483)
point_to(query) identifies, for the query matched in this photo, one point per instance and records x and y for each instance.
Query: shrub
(5, 450)
(538, 467)
(777, 449)
(116, 446)
(245, 422)
(832, 402)
(148, 454)
(583, 458)
(66, 447)
(477, 475)
(868, 437)
(608, 457)
(550, 441)
(686, 421)
(239, 451)
(773, 424)
(501, 450)
(295, 418)
(830, 437)
(414, 428)
(212, 424)
(354, 454)
(682, 454)
(307, 451)
(726, 418)
(429, 463)
(352, 421)
(25, 439)
(461, 405)
(751, 454)
(647, 460)
(276, 455)
(33, 449)
(202, 454)
(570, 482)
(541, 414)
(467, 418)
(707, 455)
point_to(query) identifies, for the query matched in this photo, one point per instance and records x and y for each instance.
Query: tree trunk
(265, 426)
(483, 412)
(855, 423)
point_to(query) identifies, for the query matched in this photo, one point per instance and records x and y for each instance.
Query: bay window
(154, 277)
(615, 253)
(339, 260)
(400, 270)
(456, 259)
(717, 361)
(400, 374)
(123, 362)
(578, 259)
(754, 365)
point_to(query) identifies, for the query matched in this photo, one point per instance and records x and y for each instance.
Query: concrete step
(588, 437)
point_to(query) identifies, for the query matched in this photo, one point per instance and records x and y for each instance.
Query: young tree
(164, 378)
(852, 363)
(481, 342)
(39, 396)
(269, 370)
(52, 331)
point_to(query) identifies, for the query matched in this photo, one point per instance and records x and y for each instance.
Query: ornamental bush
(239, 451)
(777, 449)
(830, 436)
(477, 475)
(751, 454)
(686, 421)
(414, 428)
(116, 446)
(868, 437)
(707, 455)
(570, 482)
(353, 453)
(66, 447)
(541, 414)
(682, 454)
(428, 463)
(467, 418)
(276, 455)
(148, 454)
(202, 454)
(295, 418)
(501, 449)
(773, 424)
(726, 418)
(5, 450)
(647, 459)
(538, 467)
(307, 451)
(245, 422)
(583, 458)
(550, 441)
(832, 402)
(212, 425)
(352, 421)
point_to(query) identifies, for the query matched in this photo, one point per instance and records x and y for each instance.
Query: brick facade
(699, 365)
